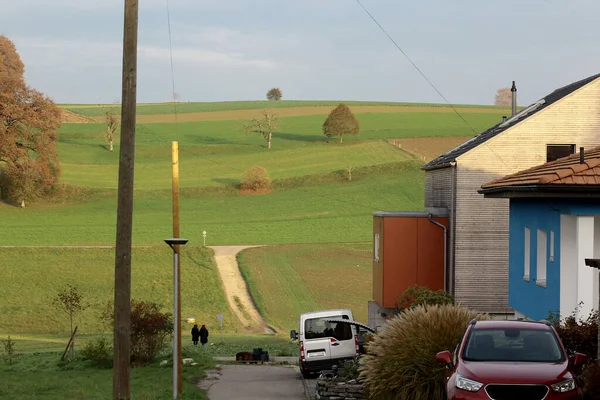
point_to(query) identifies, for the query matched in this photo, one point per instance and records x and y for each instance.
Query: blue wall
(525, 296)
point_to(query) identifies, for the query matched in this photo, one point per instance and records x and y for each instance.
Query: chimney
(513, 90)
(581, 156)
(504, 118)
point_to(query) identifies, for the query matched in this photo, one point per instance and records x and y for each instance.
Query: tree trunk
(269, 141)
(341, 141)
(110, 145)
(22, 203)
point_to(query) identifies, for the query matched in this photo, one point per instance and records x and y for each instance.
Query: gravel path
(235, 287)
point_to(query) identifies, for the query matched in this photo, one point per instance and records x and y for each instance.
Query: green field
(169, 108)
(286, 281)
(34, 276)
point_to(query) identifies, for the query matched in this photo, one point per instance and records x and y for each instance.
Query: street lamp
(174, 244)
(204, 235)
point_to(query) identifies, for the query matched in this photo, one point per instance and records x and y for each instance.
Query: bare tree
(266, 124)
(112, 126)
(503, 97)
(176, 97)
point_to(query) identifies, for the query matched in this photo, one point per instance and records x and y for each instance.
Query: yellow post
(177, 334)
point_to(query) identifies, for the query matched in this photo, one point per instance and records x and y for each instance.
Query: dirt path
(235, 288)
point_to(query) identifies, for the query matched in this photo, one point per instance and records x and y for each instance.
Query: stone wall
(328, 389)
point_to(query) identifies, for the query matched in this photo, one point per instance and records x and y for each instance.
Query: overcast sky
(311, 49)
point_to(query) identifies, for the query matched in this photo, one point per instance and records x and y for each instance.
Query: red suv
(510, 360)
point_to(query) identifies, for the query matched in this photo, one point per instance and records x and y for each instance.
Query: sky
(227, 50)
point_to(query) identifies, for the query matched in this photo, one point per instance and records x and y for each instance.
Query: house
(554, 226)
(548, 129)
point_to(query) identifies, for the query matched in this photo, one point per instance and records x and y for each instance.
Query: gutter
(445, 251)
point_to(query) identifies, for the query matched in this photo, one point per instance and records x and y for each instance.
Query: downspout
(445, 251)
(452, 216)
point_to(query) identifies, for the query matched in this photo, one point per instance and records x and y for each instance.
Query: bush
(578, 335)
(591, 382)
(9, 350)
(151, 329)
(256, 178)
(420, 295)
(349, 370)
(400, 361)
(98, 351)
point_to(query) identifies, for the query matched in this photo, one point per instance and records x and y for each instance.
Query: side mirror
(293, 335)
(444, 357)
(579, 359)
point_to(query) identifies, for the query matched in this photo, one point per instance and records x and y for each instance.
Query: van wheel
(306, 374)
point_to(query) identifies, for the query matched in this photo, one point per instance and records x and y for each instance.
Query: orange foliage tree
(29, 165)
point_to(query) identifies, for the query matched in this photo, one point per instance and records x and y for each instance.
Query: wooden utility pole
(122, 300)
(177, 336)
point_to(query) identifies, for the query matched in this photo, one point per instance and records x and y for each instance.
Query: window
(318, 328)
(376, 251)
(542, 248)
(556, 151)
(527, 260)
(513, 345)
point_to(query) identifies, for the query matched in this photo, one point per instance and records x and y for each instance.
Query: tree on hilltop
(29, 119)
(112, 127)
(341, 122)
(274, 94)
(265, 125)
(503, 97)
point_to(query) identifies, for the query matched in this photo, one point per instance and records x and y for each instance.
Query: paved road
(256, 382)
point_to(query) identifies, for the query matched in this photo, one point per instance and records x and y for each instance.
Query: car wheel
(306, 374)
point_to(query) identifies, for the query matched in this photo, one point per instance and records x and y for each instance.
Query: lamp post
(204, 236)
(174, 244)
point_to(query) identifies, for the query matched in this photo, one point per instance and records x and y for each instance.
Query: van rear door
(325, 340)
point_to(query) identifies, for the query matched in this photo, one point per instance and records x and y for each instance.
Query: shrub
(578, 335)
(400, 361)
(151, 329)
(98, 351)
(256, 178)
(9, 350)
(591, 382)
(349, 370)
(420, 295)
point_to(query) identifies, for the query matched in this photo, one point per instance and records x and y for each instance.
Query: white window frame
(527, 251)
(551, 259)
(542, 258)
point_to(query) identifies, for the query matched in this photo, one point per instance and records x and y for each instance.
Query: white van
(323, 343)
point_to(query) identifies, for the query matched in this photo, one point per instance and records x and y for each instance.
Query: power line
(427, 79)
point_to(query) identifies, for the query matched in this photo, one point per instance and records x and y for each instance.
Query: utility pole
(177, 274)
(122, 299)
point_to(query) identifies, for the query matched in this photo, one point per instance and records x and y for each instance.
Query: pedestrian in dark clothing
(195, 335)
(203, 335)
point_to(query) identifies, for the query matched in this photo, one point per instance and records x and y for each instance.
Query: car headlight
(564, 386)
(467, 384)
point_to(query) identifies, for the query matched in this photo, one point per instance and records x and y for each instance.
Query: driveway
(255, 382)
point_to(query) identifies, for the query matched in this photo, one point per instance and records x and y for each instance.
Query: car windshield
(528, 345)
(318, 328)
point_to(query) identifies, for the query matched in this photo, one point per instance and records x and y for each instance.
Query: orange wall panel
(400, 249)
(430, 250)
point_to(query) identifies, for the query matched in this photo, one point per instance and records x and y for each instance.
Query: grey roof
(445, 159)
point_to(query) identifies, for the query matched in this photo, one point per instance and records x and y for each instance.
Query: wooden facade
(478, 226)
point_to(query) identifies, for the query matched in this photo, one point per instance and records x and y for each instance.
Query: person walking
(195, 334)
(203, 335)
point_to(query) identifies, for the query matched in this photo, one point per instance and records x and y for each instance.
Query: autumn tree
(112, 127)
(265, 125)
(341, 122)
(274, 94)
(29, 119)
(503, 97)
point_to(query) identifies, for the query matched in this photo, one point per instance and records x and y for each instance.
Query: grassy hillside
(168, 108)
(286, 281)
(33, 277)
